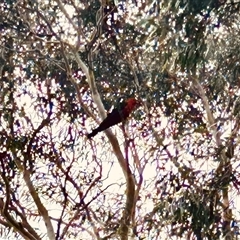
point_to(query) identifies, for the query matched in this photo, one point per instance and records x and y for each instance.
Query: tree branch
(4, 209)
(130, 191)
(41, 209)
(211, 121)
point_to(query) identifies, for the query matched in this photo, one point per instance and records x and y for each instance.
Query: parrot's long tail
(93, 133)
(112, 119)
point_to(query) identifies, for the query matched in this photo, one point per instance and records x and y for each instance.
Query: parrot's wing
(118, 107)
(121, 105)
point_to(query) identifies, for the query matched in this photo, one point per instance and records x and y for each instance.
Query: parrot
(117, 115)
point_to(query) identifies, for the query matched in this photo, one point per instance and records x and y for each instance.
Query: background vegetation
(172, 171)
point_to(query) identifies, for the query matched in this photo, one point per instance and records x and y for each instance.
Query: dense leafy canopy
(171, 171)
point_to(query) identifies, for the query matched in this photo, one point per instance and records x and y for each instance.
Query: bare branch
(211, 121)
(42, 210)
(18, 227)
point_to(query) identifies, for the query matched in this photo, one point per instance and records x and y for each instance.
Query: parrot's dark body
(116, 116)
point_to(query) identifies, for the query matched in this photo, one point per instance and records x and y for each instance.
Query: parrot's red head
(131, 104)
